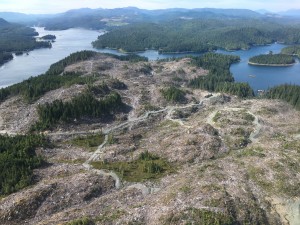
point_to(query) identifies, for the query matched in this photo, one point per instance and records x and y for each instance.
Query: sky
(56, 6)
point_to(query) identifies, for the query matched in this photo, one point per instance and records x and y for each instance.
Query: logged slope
(200, 158)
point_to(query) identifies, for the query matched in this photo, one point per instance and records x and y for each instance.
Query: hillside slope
(169, 156)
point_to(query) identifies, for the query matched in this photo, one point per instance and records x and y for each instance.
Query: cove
(39, 60)
(263, 77)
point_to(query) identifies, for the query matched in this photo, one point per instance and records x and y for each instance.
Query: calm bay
(72, 40)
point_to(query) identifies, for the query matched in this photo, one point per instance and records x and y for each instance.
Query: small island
(16, 39)
(48, 37)
(272, 60)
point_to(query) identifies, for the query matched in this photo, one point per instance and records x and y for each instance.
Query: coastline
(272, 65)
(159, 52)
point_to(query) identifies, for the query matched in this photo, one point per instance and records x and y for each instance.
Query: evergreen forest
(286, 92)
(272, 59)
(219, 78)
(34, 87)
(291, 50)
(83, 105)
(17, 161)
(15, 38)
(198, 35)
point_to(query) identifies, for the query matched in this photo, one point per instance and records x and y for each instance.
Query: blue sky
(54, 6)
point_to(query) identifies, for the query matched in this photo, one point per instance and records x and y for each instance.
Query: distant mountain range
(109, 18)
(93, 18)
(291, 12)
(3, 22)
(288, 13)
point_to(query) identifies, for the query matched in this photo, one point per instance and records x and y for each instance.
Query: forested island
(15, 38)
(272, 60)
(48, 37)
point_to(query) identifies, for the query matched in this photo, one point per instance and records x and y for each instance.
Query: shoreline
(271, 65)
(159, 52)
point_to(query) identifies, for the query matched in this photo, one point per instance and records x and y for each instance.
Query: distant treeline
(272, 59)
(4, 57)
(58, 67)
(17, 161)
(17, 38)
(219, 78)
(287, 92)
(197, 35)
(129, 57)
(34, 87)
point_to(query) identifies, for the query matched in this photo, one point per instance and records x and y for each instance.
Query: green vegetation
(5, 57)
(17, 161)
(111, 139)
(217, 116)
(108, 19)
(48, 37)
(286, 92)
(258, 176)
(117, 84)
(81, 221)
(250, 152)
(248, 117)
(241, 125)
(34, 87)
(17, 38)
(185, 36)
(147, 166)
(219, 78)
(89, 141)
(110, 215)
(291, 50)
(198, 34)
(199, 216)
(272, 59)
(83, 105)
(129, 57)
(173, 94)
(281, 184)
(58, 67)
(146, 69)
